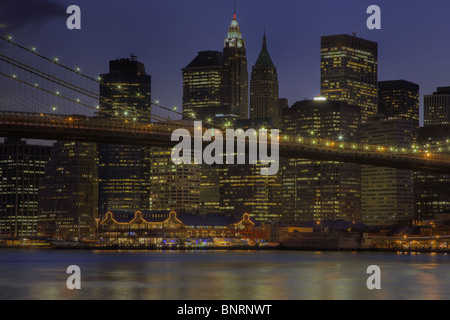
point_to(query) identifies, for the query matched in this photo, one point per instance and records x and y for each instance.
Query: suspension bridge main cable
(70, 99)
(69, 85)
(98, 81)
(63, 84)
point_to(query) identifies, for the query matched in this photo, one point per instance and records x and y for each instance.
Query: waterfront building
(349, 71)
(432, 190)
(321, 190)
(242, 188)
(125, 93)
(168, 228)
(210, 188)
(387, 194)
(172, 187)
(68, 192)
(22, 166)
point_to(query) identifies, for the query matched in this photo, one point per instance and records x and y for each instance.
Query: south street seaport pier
(145, 230)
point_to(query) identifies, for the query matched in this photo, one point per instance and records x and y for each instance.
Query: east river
(222, 275)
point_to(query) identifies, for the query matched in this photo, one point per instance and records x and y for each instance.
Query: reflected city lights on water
(221, 275)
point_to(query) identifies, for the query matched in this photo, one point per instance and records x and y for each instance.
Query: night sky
(166, 35)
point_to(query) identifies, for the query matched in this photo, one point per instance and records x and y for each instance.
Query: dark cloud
(22, 15)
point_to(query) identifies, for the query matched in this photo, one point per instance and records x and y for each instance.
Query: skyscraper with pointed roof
(264, 88)
(234, 70)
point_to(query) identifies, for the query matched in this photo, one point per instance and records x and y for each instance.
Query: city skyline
(103, 151)
(166, 47)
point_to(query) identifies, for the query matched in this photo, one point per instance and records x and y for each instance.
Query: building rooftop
(188, 219)
(206, 59)
(264, 60)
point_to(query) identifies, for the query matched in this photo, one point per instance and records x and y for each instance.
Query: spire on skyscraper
(234, 38)
(264, 60)
(264, 88)
(234, 31)
(234, 89)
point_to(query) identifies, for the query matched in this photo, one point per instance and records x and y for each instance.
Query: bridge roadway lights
(87, 131)
(365, 159)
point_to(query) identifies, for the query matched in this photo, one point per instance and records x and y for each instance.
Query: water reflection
(221, 275)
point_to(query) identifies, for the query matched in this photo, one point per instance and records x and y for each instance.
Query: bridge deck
(98, 130)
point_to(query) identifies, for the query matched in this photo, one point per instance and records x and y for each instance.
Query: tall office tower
(387, 194)
(264, 88)
(173, 187)
(21, 167)
(125, 94)
(126, 91)
(234, 71)
(432, 190)
(243, 189)
(283, 104)
(349, 72)
(68, 193)
(436, 107)
(321, 190)
(210, 188)
(201, 83)
(399, 99)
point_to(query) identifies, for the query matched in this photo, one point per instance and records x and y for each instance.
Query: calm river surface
(222, 275)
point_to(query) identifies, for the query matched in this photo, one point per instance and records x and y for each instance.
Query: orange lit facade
(173, 231)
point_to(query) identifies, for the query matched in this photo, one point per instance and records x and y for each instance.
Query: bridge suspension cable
(57, 94)
(82, 91)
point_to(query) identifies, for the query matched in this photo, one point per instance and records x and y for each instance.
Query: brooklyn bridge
(47, 100)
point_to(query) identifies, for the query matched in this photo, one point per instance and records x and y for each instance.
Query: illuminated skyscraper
(243, 189)
(321, 190)
(22, 166)
(210, 188)
(432, 190)
(399, 99)
(387, 194)
(349, 72)
(202, 83)
(172, 187)
(68, 193)
(234, 71)
(125, 93)
(264, 88)
(436, 107)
